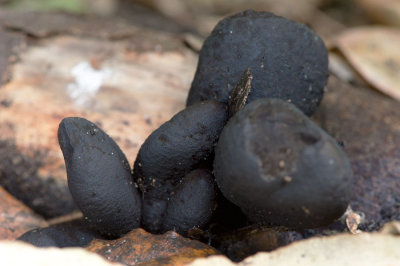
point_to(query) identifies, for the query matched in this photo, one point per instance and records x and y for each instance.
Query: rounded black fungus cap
(69, 234)
(280, 168)
(99, 177)
(287, 60)
(180, 145)
(192, 203)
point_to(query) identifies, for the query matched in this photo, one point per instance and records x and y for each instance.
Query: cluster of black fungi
(244, 139)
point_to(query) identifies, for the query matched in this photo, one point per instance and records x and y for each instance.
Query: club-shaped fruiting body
(287, 60)
(179, 146)
(68, 234)
(192, 203)
(99, 177)
(280, 168)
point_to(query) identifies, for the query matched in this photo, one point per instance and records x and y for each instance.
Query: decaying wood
(15, 217)
(369, 126)
(126, 79)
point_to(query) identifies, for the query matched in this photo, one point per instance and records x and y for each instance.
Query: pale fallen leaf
(391, 228)
(374, 53)
(344, 249)
(384, 11)
(15, 253)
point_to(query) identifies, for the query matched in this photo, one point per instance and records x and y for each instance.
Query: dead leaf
(374, 52)
(392, 228)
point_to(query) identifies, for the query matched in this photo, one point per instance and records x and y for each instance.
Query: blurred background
(342, 24)
(201, 15)
(132, 63)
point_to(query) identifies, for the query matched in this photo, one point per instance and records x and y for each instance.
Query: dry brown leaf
(374, 52)
(384, 11)
(140, 247)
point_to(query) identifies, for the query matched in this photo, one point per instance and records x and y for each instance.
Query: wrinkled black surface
(192, 204)
(227, 217)
(180, 145)
(280, 168)
(287, 60)
(99, 177)
(69, 234)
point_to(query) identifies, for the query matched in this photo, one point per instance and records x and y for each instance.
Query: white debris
(87, 82)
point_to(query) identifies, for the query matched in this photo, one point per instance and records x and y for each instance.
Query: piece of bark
(140, 247)
(368, 123)
(127, 88)
(15, 217)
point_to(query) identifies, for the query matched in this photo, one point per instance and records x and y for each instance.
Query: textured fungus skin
(287, 60)
(99, 177)
(180, 145)
(69, 234)
(280, 168)
(192, 203)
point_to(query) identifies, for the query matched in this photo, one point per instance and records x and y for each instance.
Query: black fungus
(99, 177)
(192, 203)
(280, 168)
(180, 145)
(68, 234)
(287, 60)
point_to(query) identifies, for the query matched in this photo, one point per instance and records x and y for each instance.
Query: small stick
(65, 218)
(238, 95)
